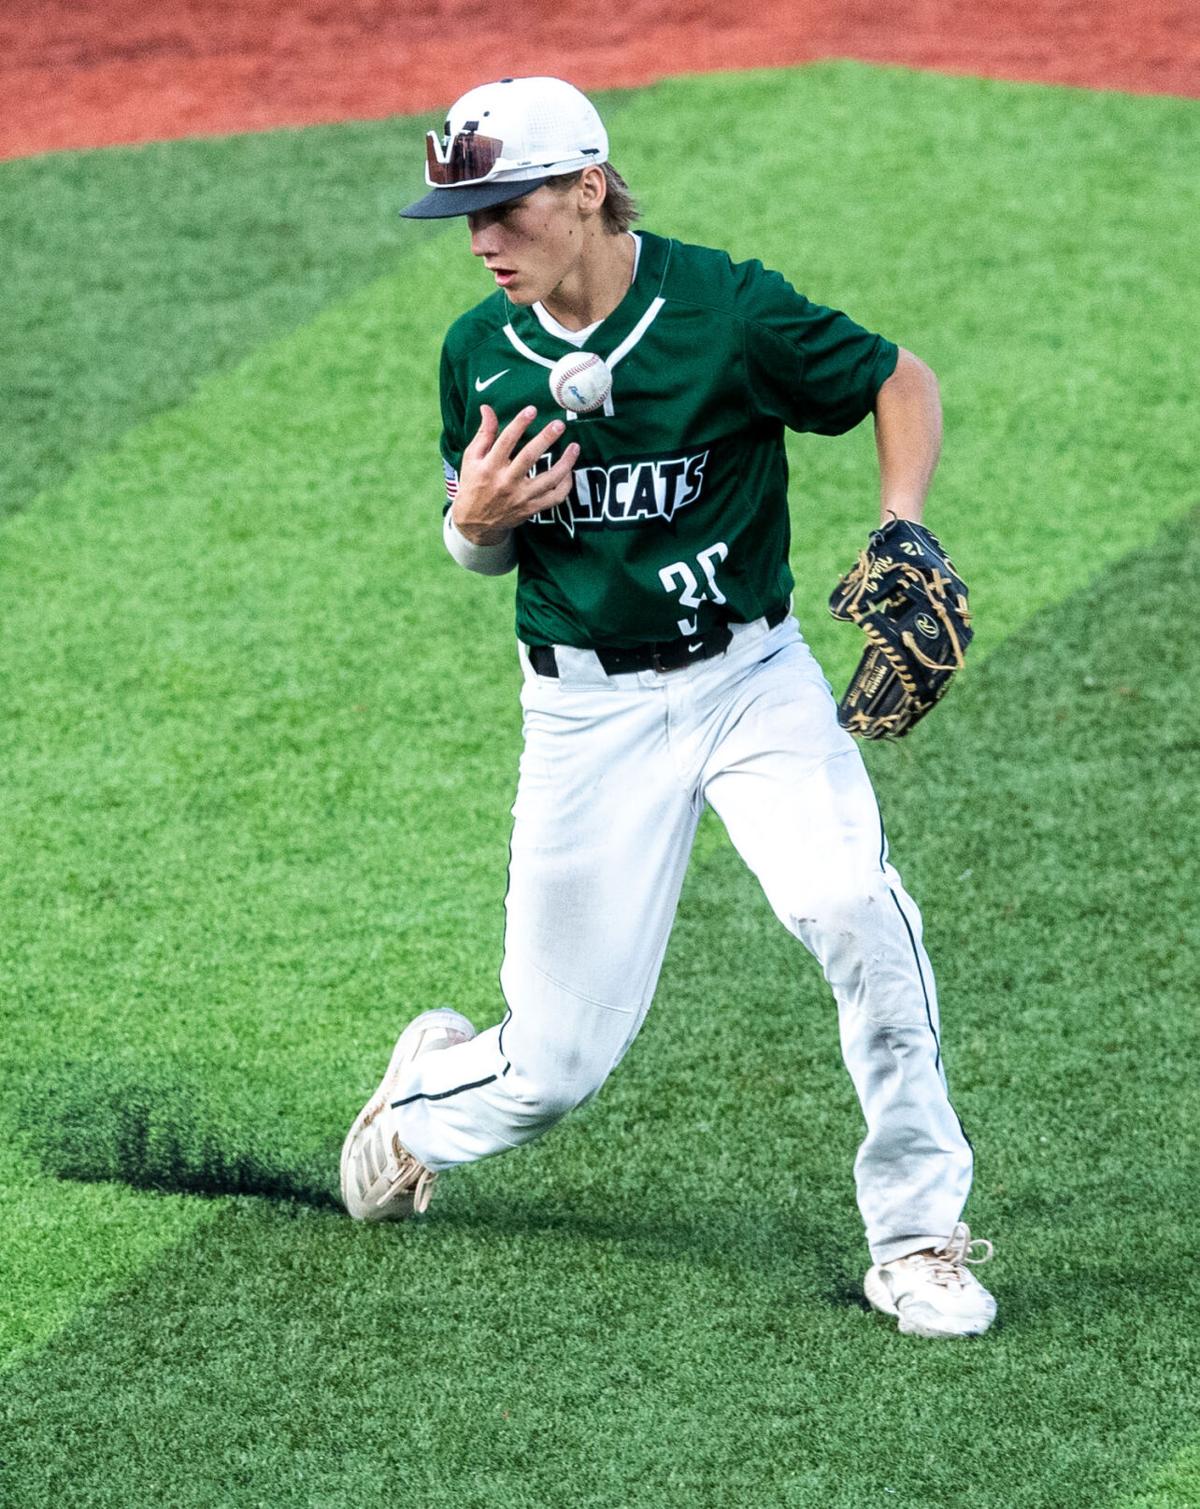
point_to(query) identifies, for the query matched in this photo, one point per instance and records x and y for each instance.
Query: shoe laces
(411, 1176)
(946, 1265)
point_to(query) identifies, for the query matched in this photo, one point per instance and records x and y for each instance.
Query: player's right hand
(495, 490)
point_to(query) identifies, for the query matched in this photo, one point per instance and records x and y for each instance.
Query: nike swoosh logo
(694, 649)
(480, 386)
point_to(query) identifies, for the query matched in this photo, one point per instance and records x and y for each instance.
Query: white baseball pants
(613, 778)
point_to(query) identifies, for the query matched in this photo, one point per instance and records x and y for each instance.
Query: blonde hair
(620, 208)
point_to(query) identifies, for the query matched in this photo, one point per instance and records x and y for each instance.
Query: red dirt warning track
(114, 71)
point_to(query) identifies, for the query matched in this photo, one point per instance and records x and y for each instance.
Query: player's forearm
(908, 437)
(492, 557)
(479, 534)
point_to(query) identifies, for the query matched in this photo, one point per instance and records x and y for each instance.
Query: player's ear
(593, 189)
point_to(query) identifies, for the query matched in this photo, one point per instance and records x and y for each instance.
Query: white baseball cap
(504, 140)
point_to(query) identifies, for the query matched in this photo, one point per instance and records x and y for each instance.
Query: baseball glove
(909, 601)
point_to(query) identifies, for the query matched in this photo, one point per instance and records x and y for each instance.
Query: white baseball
(580, 382)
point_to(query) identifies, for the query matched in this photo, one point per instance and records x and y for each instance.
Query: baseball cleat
(933, 1293)
(381, 1179)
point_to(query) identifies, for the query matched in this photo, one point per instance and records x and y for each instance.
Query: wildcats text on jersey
(628, 494)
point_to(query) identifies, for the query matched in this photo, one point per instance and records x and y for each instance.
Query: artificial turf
(131, 273)
(659, 1303)
(257, 781)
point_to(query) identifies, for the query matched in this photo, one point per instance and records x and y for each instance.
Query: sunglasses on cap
(464, 158)
(467, 157)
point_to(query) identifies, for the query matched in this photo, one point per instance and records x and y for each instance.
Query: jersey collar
(613, 329)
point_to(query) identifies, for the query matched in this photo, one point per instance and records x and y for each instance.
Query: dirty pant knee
(866, 933)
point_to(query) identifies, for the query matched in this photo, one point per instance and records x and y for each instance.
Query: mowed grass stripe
(132, 272)
(658, 1303)
(65, 1246)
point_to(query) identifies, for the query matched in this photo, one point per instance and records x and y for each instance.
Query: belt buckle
(661, 666)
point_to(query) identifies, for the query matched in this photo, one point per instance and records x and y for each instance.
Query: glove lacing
(938, 604)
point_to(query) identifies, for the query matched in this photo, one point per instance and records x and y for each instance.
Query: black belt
(668, 655)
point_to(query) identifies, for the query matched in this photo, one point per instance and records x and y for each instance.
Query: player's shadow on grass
(166, 1137)
(92, 1125)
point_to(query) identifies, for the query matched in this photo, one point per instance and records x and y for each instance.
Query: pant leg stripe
(921, 973)
(937, 1062)
(444, 1094)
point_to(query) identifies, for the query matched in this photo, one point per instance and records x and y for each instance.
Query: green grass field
(259, 745)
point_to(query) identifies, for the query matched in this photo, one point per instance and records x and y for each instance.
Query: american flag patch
(451, 481)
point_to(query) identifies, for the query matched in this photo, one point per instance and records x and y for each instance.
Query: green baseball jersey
(677, 519)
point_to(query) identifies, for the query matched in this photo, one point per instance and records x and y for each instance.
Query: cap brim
(441, 204)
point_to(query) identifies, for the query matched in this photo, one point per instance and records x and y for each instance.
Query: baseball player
(663, 671)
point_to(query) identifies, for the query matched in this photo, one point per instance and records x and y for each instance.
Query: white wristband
(488, 560)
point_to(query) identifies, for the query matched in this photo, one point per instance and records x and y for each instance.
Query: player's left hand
(906, 596)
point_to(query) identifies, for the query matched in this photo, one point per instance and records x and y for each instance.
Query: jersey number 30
(681, 576)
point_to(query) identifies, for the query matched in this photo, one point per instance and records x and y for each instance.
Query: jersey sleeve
(811, 367)
(453, 441)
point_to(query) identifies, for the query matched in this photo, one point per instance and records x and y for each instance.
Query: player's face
(530, 245)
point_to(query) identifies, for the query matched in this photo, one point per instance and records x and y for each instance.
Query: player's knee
(861, 905)
(867, 941)
(853, 909)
